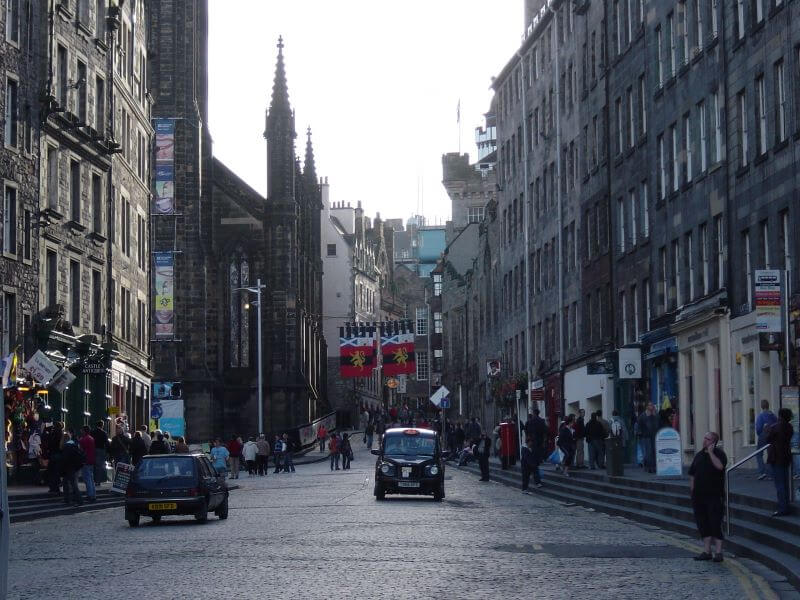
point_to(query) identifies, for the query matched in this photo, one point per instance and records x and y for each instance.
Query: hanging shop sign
(768, 301)
(164, 283)
(630, 363)
(41, 368)
(165, 166)
(62, 380)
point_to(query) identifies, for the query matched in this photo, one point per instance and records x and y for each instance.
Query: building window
(52, 178)
(624, 320)
(662, 168)
(646, 286)
(671, 42)
(645, 211)
(437, 284)
(75, 191)
(699, 8)
(660, 55)
(81, 85)
(764, 245)
(687, 146)
(675, 157)
(12, 21)
(642, 106)
(97, 203)
(676, 270)
(748, 267)
(701, 119)
(100, 105)
(26, 232)
(437, 322)
(422, 366)
(97, 301)
(63, 76)
(331, 249)
(785, 244)
(75, 293)
(738, 17)
(716, 152)
(758, 9)
(720, 247)
(239, 277)
(631, 119)
(621, 224)
(690, 261)
(12, 113)
(761, 116)
(8, 326)
(742, 129)
(714, 21)
(10, 220)
(704, 257)
(635, 307)
(620, 129)
(634, 214)
(422, 321)
(683, 23)
(475, 214)
(780, 103)
(52, 278)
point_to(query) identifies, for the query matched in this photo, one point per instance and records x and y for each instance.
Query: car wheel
(380, 493)
(201, 516)
(438, 495)
(156, 518)
(133, 519)
(222, 509)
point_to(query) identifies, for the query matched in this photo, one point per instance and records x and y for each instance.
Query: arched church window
(239, 276)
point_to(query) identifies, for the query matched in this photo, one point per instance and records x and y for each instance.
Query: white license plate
(406, 471)
(408, 484)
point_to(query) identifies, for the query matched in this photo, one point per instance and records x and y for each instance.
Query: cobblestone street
(318, 534)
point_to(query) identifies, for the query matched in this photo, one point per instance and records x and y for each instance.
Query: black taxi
(410, 461)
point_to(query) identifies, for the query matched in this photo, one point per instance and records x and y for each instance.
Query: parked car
(410, 461)
(175, 484)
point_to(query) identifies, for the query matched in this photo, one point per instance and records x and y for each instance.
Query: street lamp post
(257, 291)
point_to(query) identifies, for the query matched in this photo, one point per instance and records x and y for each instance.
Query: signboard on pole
(768, 301)
(438, 395)
(668, 453)
(630, 363)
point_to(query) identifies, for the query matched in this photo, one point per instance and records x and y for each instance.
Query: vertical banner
(356, 351)
(768, 301)
(165, 166)
(397, 349)
(164, 280)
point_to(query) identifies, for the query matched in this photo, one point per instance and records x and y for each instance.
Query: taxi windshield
(409, 445)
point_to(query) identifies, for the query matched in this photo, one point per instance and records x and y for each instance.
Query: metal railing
(728, 485)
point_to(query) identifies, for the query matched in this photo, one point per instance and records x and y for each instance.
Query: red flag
(356, 356)
(397, 350)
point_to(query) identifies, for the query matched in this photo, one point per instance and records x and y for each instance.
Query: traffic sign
(439, 394)
(445, 403)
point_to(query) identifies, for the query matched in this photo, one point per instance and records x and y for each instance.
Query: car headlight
(433, 470)
(386, 468)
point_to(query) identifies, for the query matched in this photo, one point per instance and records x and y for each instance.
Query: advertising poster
(668, 453)
(164, 280)
(768, 301)
(165, 166)
(172, 419)
(122, 476)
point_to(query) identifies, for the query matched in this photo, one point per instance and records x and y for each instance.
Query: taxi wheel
(380, 494)
(222, 511)
(438, 495)
(201, 516)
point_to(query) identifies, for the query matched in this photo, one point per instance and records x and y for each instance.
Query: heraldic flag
(356, 351)
(397, 348)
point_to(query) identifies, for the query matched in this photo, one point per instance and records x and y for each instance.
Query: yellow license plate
(162, 506)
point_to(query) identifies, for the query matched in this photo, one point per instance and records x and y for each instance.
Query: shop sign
(668, 453)
(113, 410)
(41, 368)
(768, 300)
(94, 368)
(630, 363)
(62, 380)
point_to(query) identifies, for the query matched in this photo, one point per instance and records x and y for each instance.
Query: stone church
(224, 235)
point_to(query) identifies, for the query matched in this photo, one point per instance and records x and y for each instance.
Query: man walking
(483, 451)
(333, 446)
(538, 435)
(764, 422)
(648, 427)
(235, 449)
(322, 433)
(528, 463)
(72, 461)
(277, 450)
(779, 457)
(100, 449)
(220, 456)
(250, 451)
(369, 432)
(288, 458)
(595, 437)
(86, 443)
(707, 486)
(262, 455)
(580, 438)
(146, 438)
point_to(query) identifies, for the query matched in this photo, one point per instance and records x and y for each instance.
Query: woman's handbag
(556, 457)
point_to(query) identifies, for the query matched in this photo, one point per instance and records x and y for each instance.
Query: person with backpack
(764, 422)
(333, 446)
(72, 461)
(346, 451)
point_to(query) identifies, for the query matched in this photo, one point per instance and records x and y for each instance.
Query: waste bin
(508, 445)
(615, 457)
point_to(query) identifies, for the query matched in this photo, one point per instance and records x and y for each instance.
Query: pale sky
(377, 81)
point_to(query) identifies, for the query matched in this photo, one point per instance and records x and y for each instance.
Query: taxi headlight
(386, 468)
(434, 470)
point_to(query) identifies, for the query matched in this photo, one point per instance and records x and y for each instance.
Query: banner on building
(165, 166)
(356, 350)
(164, 280)
(172, 418)
(397, 348)
(8, 370)
(768, 301)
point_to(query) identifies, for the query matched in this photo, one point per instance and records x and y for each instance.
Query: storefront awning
(662, 347)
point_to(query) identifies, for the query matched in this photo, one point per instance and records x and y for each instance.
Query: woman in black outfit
(566, 441)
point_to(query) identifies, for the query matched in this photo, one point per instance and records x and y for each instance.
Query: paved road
(317, 534)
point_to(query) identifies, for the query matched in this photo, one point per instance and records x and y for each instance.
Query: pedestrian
(120, 446)
(764, 422)
(72, 461)
(539, 437)
(322, 434)
(707, 487)
(137, 448)
(648, 428)
(527, 462)
(262, 455)
(86, 442)
(101, 445)
(380, 429)
(53, 441)
(250, 451)
(333, 446)
(566, 442)
(159, 445)
(288, 456)
(171, 443)
(779, 457)
(220, 457)
(606, 432)
(580, 438)
(277, 451)
(181, 446)
(235, 450)
(483, 450)
(595, 438)
(346, 451)
(369, 432)
(460, 436)
(145, 438)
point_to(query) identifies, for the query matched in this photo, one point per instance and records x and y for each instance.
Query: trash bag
(556, 457)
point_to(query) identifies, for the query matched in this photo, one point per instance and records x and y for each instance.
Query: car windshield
(409, 445)
(165, 467)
